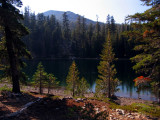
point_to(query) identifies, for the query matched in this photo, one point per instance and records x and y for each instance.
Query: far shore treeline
(52, 38)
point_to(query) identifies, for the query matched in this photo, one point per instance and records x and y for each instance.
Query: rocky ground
(60, 106)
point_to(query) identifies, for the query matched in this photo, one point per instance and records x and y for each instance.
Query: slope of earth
(53, 108)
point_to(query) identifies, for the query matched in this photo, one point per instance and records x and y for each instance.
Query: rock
(137, 117)
(96, 110)
(103, 108)
(120, 111)
(79, 99)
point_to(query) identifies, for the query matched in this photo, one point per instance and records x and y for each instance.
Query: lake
(88, 69)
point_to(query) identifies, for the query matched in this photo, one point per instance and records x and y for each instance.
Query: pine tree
(83, 39)
(108, 26)
(78, 35)
(51, 82)
(40, 77)
(72, 79)
(113, 25)
(12, 31)
(90, 40)
(3, 53)
(57, 40)
(66, 35)
(147, 37)
(97, 43)
(83, 87)
(107, 83)
(41, 46)
(26, 20)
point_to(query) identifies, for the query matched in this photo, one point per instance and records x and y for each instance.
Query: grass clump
(5, 88)
(55, 97)
(151, 110)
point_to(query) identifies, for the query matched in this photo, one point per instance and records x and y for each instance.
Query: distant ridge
(71, 16)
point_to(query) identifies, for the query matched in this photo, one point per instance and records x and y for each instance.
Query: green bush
(147, 109)
(5, 88)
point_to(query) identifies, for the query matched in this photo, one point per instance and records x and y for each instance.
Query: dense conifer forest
(50, 38)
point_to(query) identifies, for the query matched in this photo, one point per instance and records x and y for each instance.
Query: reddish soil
(52, 108)
(48, 108)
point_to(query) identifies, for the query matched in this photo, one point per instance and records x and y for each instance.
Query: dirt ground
(60, 106)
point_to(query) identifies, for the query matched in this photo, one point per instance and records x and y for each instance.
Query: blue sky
(90, 8)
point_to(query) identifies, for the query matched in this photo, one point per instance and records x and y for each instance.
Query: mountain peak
(71, 16)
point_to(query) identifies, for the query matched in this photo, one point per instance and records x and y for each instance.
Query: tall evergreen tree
(66, 32)
(97, 39)
(83, 37)
(107, 83)
(113, 25)
(51, 82)
(57, 41)
(83, 87)
(72, 79)
(147, 36)
(78, 32)
(26, 16)
(108, 25)
(12, 31)
(40, 77)
(90, 40)
(41, 46)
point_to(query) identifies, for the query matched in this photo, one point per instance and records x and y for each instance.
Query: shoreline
(74, 58)
(62, 94)
(30, 104)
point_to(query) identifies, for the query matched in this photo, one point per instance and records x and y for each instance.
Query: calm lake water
(88, 69)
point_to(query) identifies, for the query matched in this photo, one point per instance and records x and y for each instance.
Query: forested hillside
(52, 38)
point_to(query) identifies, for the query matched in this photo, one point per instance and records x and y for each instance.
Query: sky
(119, 9)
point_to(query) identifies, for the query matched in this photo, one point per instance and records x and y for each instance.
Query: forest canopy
(51, 38)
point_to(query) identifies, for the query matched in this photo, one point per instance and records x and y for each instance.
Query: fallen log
(15, 114)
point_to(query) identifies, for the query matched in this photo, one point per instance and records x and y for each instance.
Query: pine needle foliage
(72, 79)
(147, 38)
(12, 31)
(51, 82)
(83, 87)
(106, 83)
(40, 77)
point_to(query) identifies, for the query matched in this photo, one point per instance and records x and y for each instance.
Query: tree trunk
(74, 84)
(159, 91)
(73, 88)
(109, 84)
(109, 88)
(49, 88)
(40, 83)
(12, 61)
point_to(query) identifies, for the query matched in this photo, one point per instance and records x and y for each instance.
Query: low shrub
(5, 88)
